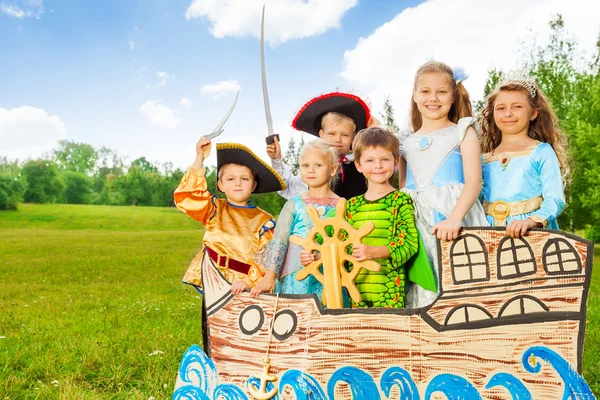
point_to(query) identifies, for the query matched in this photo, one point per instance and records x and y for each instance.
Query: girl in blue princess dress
(282, 259)
(440, 166)
(525, 159)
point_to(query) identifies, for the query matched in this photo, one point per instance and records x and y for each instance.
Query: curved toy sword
(271, 136)
(219, 128)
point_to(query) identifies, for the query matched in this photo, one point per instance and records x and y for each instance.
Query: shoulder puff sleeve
(548, 167)
(402, 135)
(192, 196)
(463, 125)
(271, 255)
(293, 182)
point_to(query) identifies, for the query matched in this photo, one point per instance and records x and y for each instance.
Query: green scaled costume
(393, 216)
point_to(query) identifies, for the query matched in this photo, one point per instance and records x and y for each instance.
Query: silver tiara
(520, 78)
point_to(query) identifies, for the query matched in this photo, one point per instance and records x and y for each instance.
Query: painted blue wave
(206, 374)
(514, 386)
(396, 376)
(575, 386)
(453, 386)
(229, 392)
(305, 386)
(200, 376)
(189, 392)
(361, 383)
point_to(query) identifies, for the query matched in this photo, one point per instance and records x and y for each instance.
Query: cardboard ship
(509, 323)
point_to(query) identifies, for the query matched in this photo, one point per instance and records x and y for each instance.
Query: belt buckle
(219, 257)
(501, 210)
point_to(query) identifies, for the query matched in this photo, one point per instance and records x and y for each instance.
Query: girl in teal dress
(525, 159)
(318, 169)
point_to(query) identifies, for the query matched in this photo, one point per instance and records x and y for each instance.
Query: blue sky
(146, 77)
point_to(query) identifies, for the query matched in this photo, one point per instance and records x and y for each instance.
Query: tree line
(81, 174)
(78, 173)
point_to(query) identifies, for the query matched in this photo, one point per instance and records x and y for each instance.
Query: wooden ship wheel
(337, 235)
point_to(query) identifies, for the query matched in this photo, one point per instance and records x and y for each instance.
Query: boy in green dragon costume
(394, 243)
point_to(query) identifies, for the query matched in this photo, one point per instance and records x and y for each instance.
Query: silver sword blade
(218, 130)
(264, 75)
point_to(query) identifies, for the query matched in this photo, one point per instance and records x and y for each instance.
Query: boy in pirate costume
(334, 117)
(235, 230)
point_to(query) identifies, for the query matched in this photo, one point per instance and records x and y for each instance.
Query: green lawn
(91, 301)
(92, 305)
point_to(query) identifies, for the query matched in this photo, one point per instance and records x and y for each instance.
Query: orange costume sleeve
(192, 196)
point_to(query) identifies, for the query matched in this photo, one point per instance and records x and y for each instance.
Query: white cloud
(187, 103)
(284, 19)
(162, 78)
(12, 11)
(35, 9)
(159, 114)
(474, 34)
(220, 88)
(29, 132)
(131, 45)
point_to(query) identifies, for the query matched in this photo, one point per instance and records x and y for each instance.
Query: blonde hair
(329, 153)
(543, 128)
(461, 107)
(337, 118)
(376, 137)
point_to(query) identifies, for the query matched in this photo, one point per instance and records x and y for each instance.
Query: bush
(11, 191)
(78, 188)
(43, 182)
(593, 233)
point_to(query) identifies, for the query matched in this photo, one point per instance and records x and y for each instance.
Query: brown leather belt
(226, 262)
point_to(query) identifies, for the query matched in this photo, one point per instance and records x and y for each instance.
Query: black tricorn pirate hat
(267, 179)
(308, 119)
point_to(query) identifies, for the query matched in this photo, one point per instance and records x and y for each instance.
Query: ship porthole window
(467, 313)
(515, 258)
(251, 320)
(522, 305)
(285, 324)
(469, 260)
(560, 257)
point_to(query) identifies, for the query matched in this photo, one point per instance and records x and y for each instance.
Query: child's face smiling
(237, 182)
(339, 134)
(377, 165)
(315, 170)
(433, 95)
(512, 112)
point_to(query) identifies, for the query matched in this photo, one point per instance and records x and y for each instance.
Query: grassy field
(92, 305)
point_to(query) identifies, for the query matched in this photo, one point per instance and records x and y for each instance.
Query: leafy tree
(135, 187)
(270, 202)
(387, 115)
(494, 76)
(12, 184)
(144, 165)
(111, 193)
(77, 157)
(109, 166)
(292, 155)
(78, 187)
(44, 184)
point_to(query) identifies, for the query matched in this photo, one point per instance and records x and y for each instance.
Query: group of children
(445, 183)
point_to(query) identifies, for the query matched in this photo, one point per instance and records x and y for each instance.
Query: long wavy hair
(543, 128)
(461, 107)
